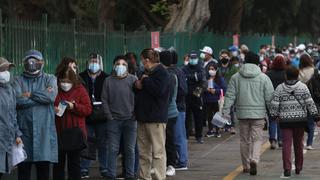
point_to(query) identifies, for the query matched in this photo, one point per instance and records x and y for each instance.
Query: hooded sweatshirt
(250, 91)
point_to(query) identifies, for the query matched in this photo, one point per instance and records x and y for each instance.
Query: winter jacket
(182, 88)
(228, 72)
(306, 74)
(276, 76)
(94, 86)
(250, 91)
(35, 115)
(9, 129)
(152, 100)
(292, 103)
(82, 108)
(213, 98)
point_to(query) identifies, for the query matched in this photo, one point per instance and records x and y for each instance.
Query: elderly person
(9, 131)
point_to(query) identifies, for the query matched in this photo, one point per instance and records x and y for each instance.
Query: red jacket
(82, 108)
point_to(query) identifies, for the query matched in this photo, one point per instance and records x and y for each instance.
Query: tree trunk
(188, 15)
(107, 13)
(235, 15)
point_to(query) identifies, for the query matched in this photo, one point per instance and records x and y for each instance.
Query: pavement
(219, 158)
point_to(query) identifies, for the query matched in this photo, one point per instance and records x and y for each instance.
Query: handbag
(71, 139)
(90, 151)
(97, 116)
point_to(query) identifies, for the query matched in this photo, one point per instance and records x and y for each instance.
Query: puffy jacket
(251, 91)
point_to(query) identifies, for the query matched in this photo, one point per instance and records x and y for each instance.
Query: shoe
(200, 140)
(310, 148)
(298, 171)
(253, 168)
(280, 144)
(287, 173)
(170, 171)
(84, 175)
(210, 134)
(218, 135)
(273, 144)
(103, 174)
(245, 171)
(181, 168)
(233, 130)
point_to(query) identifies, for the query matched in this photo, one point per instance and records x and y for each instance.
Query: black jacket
(152, 100)
(277, 77)
(93, 87)
(182, 88)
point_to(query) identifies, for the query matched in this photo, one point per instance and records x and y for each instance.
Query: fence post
(123, 39)
(74, 38)
(1, 34)
(105, 44)
(45, 24)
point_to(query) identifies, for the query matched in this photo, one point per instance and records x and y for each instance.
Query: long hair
(68, 73)
(64, 63)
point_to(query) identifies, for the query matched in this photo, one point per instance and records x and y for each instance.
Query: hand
(138, 84)
(70, 104)
(26, 94)
(144, 76)
(56, 109)
(18, 140)
(212, 91)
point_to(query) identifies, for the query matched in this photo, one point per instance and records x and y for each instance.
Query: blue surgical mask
(121, 70)
(94, 67)
(193, 61)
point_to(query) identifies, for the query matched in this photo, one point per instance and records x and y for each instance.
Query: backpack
(314, 86)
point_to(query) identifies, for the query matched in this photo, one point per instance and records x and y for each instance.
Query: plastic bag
(218, 119)
(18, 154)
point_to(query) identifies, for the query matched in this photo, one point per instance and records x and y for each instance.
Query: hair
(224, 51)
(218, 75)
(279, 62)
(151, 54)
(64, 63)
(117, 58)
(174, 57)
(132, 66)
(68, 73)
(305, 61)
(252, 57)
(292, 73)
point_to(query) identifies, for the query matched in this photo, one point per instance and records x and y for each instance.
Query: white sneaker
(170, 171)
(310, 148)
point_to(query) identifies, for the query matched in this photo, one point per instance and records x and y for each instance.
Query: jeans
(116, 129)
(24, 170)
(274, 130)
(136, 158)
(181, 140)
(73, 162)
(100, 132)
(310, 131)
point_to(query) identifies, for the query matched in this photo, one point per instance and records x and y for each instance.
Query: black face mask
(32, 65)
(224, 60)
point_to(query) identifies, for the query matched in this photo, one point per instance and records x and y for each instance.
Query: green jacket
(250, 91)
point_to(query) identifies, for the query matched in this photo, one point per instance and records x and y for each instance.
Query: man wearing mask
(36, 92)
(197, 83)
(206, 54)
(295, 62)
(93, 78)
(151, 110)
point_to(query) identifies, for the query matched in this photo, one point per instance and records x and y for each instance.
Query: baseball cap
(33, 53)
(5, 63)
(193, 54)
(207, 49)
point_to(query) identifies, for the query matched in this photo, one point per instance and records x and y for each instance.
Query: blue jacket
(182, 88)
(8, 125)
(152, 100)
(212, 98)
(36, 117)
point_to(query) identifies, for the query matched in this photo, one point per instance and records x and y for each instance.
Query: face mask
(202, 55)
(32, 66)
(298, 56)
(237, 65)
(94, 67)
(224, 61)
(261, 58)
(120, 70)
(234, 53)
(66, 86)
(4, 77)
(186, 63)
(193, 61)
(212, 72)
(309, 51)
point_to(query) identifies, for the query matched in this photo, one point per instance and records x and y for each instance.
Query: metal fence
(56, 41)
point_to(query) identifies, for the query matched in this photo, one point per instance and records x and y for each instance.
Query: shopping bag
(18, 154)
(218, 120)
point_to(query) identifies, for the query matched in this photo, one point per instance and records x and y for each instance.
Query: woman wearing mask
(9, 130)
(74, 95)
(216, 86)
(118, 104)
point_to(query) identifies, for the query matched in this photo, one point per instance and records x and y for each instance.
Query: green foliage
(160, 7)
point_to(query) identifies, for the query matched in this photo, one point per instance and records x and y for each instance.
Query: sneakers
(181, 168)
(170, 171)
(200, 140)
(273, 144)
(218, 135)
(233, 130)
(253, 168)
(310, 148)
(287, 173)
(210, 134)
(84, 175)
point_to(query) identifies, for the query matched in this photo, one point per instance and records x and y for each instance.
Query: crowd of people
(148, 111)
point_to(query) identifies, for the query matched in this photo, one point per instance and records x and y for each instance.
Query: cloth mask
(212, 73)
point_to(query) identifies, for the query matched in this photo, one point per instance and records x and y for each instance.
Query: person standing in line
(93, 78)
(9, 130)
(36, 92)
(118, 105)
(291, 104)
(151, 109)
(250, 91)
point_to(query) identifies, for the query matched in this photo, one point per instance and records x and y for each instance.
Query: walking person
(249, 90)
(36, 92)
(118, 105)
(93, 78)
(290, 105)
(74, 95)
(9, 130)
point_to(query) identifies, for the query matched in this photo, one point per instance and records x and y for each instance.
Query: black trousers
(210, 109)
(170, 145)
(73, 161)
(195, 113)
(43, 170)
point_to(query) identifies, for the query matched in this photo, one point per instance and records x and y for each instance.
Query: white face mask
(234, 53)
(202, 55)
(212, 72)
(261, 58)
(66, 86)
(186, 63)
(4, 77)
